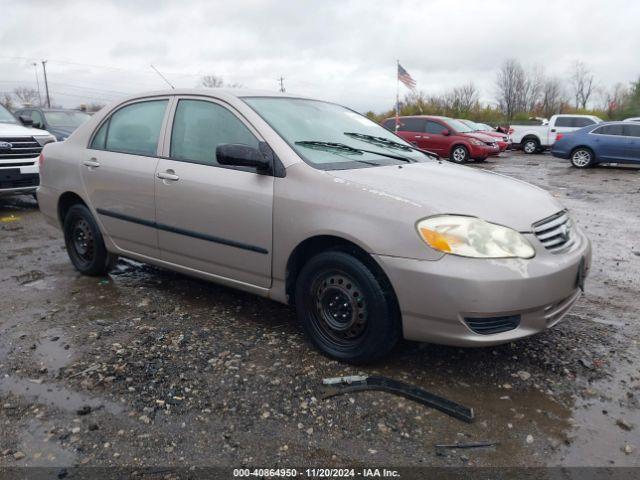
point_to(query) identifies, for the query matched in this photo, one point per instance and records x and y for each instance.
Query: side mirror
(233, 154)
(446, 133)
(26, 121)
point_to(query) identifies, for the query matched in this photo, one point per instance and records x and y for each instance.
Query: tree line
(522, 93)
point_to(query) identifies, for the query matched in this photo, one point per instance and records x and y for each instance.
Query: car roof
(216, 93)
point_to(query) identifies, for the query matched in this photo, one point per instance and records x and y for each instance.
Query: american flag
(405, 78)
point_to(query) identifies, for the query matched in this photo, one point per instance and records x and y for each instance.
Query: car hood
(14, 130)
(480, 136)
(444, 188)
(61, 132)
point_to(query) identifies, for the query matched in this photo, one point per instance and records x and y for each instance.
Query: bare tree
(27, 96)
(511, 87)
(6, 100)
(613, 100)
(463, 100)
(582, 82)
(211, 81)
(552, 98)
(532, 88)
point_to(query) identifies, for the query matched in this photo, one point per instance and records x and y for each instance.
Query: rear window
(574, 122)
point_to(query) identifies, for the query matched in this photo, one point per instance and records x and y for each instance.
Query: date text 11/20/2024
(316, 473)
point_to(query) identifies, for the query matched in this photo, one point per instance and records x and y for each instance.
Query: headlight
(475, 141)
(44, 139)
(473, 237)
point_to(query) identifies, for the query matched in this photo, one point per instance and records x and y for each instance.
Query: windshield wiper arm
(342, 147)
(387, 143)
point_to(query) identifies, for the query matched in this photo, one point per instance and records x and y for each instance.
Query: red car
(503, 139)
(445, 137)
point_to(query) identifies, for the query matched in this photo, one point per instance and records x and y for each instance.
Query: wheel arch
(65, 202)
(311, 246)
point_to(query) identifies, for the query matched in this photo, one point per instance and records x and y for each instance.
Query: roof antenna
(163, 77)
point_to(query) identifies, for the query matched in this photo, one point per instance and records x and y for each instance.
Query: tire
(459, 154)
(480, 160)
(84, 242)
(582, 157)
(530, 145)
(346, 311)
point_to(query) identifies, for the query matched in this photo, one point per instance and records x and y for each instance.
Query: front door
(213, 218)
(118, 174)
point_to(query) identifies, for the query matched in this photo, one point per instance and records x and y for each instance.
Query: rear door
(213, 218)
(412, 129)
(118, 173)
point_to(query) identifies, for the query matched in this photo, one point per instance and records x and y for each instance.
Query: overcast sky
(344, 51)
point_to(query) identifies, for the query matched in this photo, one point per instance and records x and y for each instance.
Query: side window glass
(390, 125)
(632, 131)
(564, 122)
(434, 127)
(582, 122)
(412, 125)
(135, 128)
(100, 137)
(200, 126)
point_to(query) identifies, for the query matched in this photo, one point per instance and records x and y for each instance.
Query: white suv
(19, 151)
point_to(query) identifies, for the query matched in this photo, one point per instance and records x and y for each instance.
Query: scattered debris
(624, 424)
(467, 445)
(84, 410)
(340, 385)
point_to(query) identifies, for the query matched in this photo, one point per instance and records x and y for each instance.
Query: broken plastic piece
(341, 385)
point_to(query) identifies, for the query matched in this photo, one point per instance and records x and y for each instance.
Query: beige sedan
(312, 204)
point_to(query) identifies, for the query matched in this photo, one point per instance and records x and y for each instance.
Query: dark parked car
(445, 137)
(60, 122)
(612, 142)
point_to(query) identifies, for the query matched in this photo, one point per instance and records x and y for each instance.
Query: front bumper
(483, 151)
(435, 297)
(19, 176)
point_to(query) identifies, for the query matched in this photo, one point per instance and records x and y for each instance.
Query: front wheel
(459, 154)
(582, 158)
(347, 312)
(84, 242)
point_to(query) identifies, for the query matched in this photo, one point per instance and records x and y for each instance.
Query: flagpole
(397, 94)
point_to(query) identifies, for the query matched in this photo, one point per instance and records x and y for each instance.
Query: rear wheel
(459, 154)
(84, 242)
(347, 312)
(530, 145)
(582, 157)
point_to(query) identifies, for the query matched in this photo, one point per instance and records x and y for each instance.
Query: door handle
(418, 136)
(93, 163)
(553, 129)
(168, 175)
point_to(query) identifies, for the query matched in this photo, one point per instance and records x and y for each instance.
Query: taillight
(41, 160)
(559, 136)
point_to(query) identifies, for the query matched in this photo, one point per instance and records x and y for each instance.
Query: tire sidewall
(466, 154)
(535, 143)
(100, 261)
(591, 160)
(383, 324)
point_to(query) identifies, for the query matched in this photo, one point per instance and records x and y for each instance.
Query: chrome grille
(21, 147)
(555, 232)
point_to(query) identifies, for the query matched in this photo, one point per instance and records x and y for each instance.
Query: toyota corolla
(312, 204)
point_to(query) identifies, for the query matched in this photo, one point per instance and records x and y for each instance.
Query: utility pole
(46, 84)
(35, 67)
(281, 80)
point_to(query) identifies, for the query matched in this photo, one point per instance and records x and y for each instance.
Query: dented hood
(444, 188)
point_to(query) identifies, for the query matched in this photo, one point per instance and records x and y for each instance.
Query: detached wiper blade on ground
(387, 143)
(344, 148)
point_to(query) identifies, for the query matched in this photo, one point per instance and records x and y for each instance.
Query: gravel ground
(147, 367)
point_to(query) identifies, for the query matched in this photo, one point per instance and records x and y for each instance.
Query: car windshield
(331, 137)
(6, 116)
(66, 119)
(472, 125)
(457, 125)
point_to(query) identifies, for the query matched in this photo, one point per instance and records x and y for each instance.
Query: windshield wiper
(385, 142)
(342, 147)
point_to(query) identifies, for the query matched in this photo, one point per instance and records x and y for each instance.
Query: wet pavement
(149, 367)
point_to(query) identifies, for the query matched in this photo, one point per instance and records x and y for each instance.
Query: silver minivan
(312, 204)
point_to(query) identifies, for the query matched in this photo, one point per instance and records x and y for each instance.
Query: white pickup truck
(20, 148)
(534, 138)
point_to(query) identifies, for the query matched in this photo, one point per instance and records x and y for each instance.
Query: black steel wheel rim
(339, 310)
(82, 240)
